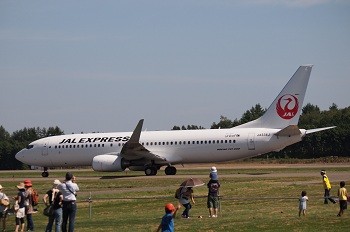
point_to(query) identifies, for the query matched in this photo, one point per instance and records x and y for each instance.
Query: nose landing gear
(45, 173)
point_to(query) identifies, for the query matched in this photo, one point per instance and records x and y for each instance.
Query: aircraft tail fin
(285, 110)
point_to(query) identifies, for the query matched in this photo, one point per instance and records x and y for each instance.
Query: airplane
(148, 151)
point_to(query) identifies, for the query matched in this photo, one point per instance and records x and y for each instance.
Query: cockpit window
(30, 146)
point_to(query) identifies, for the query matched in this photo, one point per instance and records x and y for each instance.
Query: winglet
(135, 137)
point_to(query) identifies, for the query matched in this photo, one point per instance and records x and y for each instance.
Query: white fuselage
(177, 147)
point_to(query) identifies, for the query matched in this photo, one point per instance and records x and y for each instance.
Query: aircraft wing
(134, 150)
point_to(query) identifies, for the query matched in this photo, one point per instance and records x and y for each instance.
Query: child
(302, 203)
(167, 223)
(20, 211)
(342, 194)
(213, 173)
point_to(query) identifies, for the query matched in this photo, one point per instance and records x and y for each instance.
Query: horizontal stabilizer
(289, 131)
(319, 129)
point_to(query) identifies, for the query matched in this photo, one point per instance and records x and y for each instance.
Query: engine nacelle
(108, 163)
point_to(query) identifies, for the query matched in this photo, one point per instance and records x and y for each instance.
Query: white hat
(213, 169)
(56, 182)
(0, 186)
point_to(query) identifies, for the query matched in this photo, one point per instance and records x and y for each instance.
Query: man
(213, 197)
(69, 207)
(3, 208)
(327, 188)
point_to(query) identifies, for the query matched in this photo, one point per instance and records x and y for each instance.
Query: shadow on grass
(118, 177)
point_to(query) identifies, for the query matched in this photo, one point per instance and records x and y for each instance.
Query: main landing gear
(170, 170)
(152, 170)
(45, 173)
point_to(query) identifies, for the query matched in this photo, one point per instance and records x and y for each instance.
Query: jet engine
(108, 163)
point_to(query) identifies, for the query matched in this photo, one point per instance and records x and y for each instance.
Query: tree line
(334, 142)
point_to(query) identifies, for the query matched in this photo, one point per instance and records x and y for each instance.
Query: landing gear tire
(45, 174)
(151, 171)
(170, 170)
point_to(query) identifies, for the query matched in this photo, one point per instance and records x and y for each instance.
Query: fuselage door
(45, 149)
(251, 144)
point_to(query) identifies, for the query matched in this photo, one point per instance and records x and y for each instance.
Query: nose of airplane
(20, 156)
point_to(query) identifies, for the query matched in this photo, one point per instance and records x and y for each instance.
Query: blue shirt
(168, 223)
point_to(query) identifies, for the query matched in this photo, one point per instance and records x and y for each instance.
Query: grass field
(254, 198)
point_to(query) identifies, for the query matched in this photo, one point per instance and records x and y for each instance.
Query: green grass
(252, 199)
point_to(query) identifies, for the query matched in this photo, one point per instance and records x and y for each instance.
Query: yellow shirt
(342, 194)
(326, 183)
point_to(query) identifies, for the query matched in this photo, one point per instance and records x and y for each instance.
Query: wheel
(151, 171)
(170, 170)
(45, 174)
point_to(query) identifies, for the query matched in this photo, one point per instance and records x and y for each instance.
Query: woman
(54, 197)
(186, 196)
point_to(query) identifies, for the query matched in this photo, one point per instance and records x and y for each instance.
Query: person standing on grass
(327, 188)
(213, 197)
(186, 196)
(167, 223)
(54, 197)
(29, 204)
(4, 204)
(69, 207)
(343, 197)
(302, 203)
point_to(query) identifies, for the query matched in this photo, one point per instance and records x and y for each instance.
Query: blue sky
(103, 65)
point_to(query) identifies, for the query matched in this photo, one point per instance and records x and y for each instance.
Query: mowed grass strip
(264, 199)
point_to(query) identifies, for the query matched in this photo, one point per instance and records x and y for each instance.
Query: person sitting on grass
(167, 223)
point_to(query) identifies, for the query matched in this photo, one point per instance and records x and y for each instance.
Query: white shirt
(68, 190)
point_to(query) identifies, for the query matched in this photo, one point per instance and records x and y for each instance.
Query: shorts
(213, 202)
(343, 204)
(20, 213)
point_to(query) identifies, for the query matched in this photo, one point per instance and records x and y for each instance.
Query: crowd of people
(61, 198)
(213, 202)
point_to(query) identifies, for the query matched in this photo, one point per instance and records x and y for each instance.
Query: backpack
(35, 197)
(214, 187)
(178, 193)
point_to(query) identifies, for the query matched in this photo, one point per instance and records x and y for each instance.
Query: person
(213, 173)
(327, 188)
(3, 208)
(29, 204)
(343, 197)
(213, 197)
(69, 206)
(302, 203)
(20, 207)
(167, 223)
(54, 197)
(186, 196)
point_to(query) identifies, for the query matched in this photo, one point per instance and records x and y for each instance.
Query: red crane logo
(287, 106)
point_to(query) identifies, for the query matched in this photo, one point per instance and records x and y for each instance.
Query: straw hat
(21, 186)
(0, 186)
(56, 182)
